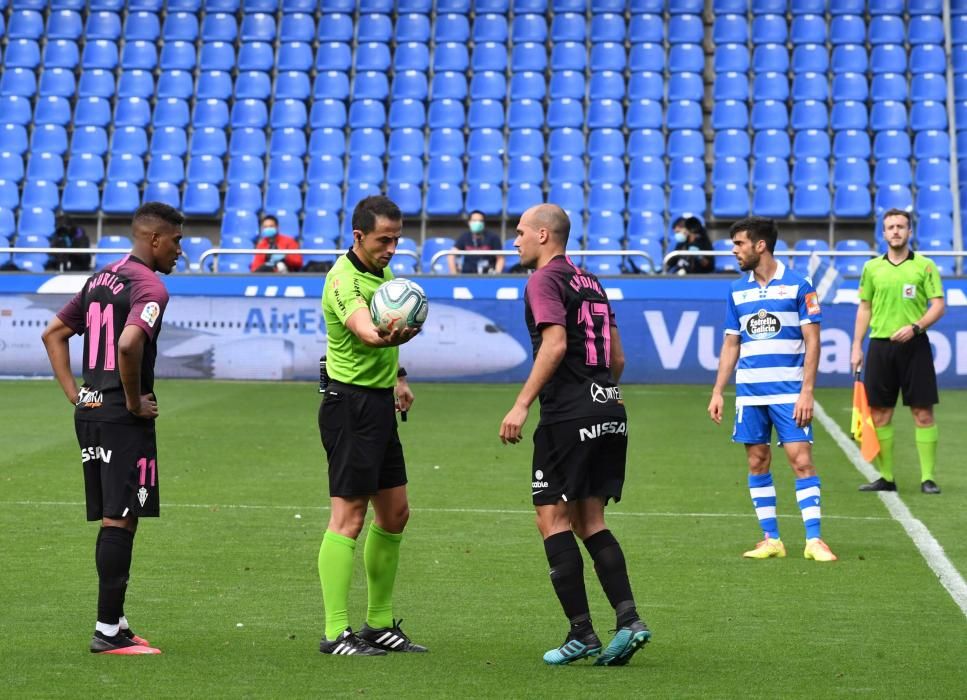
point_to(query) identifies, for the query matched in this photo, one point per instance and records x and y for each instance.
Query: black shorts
(891, 367)
(120, 463)
(578, 459)
(358, 429)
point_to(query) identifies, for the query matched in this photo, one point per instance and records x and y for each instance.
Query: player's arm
(549, 357)
(728, 357)
(56, 336)
(802, 412)
(130, 354)
(403, 393)
(617, 355)
(862, 324)
(362, 326)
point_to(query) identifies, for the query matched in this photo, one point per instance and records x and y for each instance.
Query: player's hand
(148, 408)
(510, 428)
(802, 412)
(404, 395)
(715, 408)
(904, 335)
(856, 360)
(399, 335)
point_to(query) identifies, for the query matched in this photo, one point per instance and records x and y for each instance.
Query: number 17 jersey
(123, 294)
(562, 294)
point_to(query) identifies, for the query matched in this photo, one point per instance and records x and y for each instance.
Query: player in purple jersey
(119, 312)
(581, 439)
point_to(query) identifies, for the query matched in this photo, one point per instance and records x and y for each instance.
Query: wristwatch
(917, 330)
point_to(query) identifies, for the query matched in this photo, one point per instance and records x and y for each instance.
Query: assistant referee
(901, 296)
(357, 423)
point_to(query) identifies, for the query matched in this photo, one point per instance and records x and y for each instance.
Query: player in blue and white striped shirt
(772, 332)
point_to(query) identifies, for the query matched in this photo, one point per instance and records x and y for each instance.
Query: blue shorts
(753, 425)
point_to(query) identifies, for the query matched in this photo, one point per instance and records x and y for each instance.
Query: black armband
(401, 372)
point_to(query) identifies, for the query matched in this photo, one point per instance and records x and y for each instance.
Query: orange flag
(864, 432)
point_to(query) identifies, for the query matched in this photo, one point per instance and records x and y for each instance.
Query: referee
(357, 423)
(901, 296)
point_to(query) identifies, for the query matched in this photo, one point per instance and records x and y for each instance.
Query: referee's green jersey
(349, 287)
(898, 293)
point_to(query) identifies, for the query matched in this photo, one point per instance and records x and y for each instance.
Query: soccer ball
(399, 302)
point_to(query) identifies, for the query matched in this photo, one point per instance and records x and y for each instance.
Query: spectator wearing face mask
(477, 237)
(689, 234)
(275, 242)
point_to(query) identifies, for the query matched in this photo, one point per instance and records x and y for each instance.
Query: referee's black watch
(917, 330)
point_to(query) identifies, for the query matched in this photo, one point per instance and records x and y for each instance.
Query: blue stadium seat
(604, 85)
(686, 170)
(132, 83)
(730, 170)
(850, 58)
(565, 141)
(849, 114)
(120, 197)
(687, 86)
(44, 166)
(684, 114)
(126, 168)
(253, 85)
(522, 196)
(336, 26)
(8, 226)
(928, 115)
(810, 58)
(810, 86)
(289, 169)
(928, 58)
(480, 168)
(217, 26)
(92, 111)
(372, 85)
(851, 143)
(162, 192)
(730, 201)
(888, 115)
(648, 85)
(565, 26)
(446, 113)
(58, 53)
(243, 196)
(25, 24)
(810, 170)
(331, 85)
(451, 26)
(176, 84)
(811, 201)
(19, 81)
(647, 57)
(295, 56)
(328, 113)
(893, 196)
(100, 53)
(246, 168)
(443, 199)
(730, 114)
(646, 28)
(367, 141)
(809, 114)
(811, 143)
(932, 171)
(769, 114)
(685, 29)
(404, 168)
(608, 26)
(770, 57)
(567, 195)
(129, 139)
(533, 86)
(770, 170)
(730, 28)
(46, 138)
(851, 171)
(485, 197)
(686, 199)
(892, 171)
(40, 193)
(646, 169)
(771, 200)
(730, 58)
(210, 113)
(217, 55)
(928, 86)
(96, 83)
(606, 56)
(133, 111)
(208, 141)
(529, 142)
(9, 195)
(731, 142)
(606, 196)
(931, 143)
(606, 113)
(448, 85)
(851, 265)
(448, 141)
(165, 167)
(247, 141)
(488, 84)
(297, 27)
(886, 29)
(288, 113)
(847, 29)
(171, 112)
(453, 56)
(103, 25)
(686, 142)
(769, 29)
(409, 84)
(178, 55)
(180, 26)
(605, 168)
(853, 86)
(258, 26)
(925, 29)
(413, 26)
(808, 29)
(62, 24)
(934, 198)
(567, 84)
(327, 168)
(724, 263)
(686, 58)
(771, 86)
(205, 168)
(888, 59)
(728, 86)
(12, 166)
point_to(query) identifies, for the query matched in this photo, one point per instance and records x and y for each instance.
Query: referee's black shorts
(358, 429)
(120, 463)
(579, 459)
(892, 367)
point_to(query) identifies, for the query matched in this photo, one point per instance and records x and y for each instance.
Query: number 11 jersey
(126, 293)
(562, 294)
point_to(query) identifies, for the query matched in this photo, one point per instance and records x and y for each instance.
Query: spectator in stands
(272, 239)
(690, 235)
(477, 237)
(68, 234)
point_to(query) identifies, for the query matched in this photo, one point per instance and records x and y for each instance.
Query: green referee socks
(927, 449)
(382, 557)
(884, 459)
(336, 572)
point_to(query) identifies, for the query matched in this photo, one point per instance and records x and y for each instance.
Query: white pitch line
(486, 511)
(926, 543)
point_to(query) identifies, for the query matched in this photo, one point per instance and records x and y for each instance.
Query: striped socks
(764, 500)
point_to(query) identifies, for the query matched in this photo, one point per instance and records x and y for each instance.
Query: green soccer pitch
(225, 583)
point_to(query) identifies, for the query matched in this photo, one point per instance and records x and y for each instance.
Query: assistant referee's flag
(864, 432)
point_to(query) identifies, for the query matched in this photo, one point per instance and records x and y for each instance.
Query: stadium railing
(215, 252)
(625, 253)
